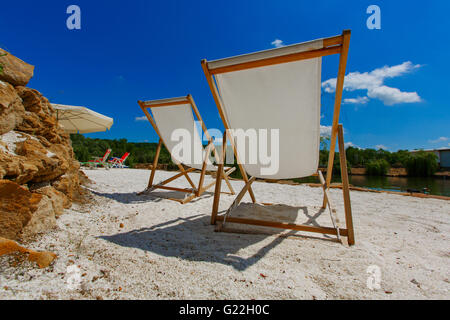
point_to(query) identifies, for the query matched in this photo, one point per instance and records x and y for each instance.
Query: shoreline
(393, 172)
(412, 194)
(333, 185)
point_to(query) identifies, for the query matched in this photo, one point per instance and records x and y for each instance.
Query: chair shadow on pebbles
(193, 239)
(154, 196)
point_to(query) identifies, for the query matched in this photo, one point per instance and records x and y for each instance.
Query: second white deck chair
(279, 89)
(170, 115)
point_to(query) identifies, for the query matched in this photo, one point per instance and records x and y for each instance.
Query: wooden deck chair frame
(198, 190)
(333, 45)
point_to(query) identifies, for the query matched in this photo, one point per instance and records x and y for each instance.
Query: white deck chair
(170, 115)
(280, 89)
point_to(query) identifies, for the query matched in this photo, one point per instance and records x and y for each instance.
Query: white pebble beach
(128, 246)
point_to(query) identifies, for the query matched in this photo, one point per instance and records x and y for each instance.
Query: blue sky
(136, 50)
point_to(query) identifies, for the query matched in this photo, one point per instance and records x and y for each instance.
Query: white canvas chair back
(173, 119)
(280, 89)
(284, 97)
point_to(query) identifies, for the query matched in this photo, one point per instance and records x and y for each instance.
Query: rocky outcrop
(11, 108)
(58, 199)
(23, 213)
(39, 173)
(15, 71)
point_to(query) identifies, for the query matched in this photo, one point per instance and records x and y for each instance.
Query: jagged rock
(23, 214)
(24, 159)
(58, 199)
(69, 184)
(83, 178)
(50, 165)
(34, 102)
(40, 118)
(17, 205)
(9, 164)
(42, 220)
(35, 152)
(15, 71)
(30, 123)
(11, 108)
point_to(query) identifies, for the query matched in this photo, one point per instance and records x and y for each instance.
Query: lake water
(436, 186)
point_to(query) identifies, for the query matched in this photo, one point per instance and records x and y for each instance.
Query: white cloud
(357, 100)
(350, 144)
(380, 146)
(440, 139)
(373, 82)
(143, 118)
(325, 131)
(277, 43)
(391, 96)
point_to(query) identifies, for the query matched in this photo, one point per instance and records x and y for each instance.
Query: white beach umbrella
(75, 119)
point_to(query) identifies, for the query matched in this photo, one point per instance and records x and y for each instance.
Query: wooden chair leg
(230, 187)
(345, 187)
(186, 176)
(155, 164)
(202, 175)
(334, 218)
(241, 167)
(178, 175)
(238, 199)
(215, 208)
(219, 174)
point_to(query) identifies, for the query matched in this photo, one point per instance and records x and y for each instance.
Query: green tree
(377, 162)
(353, 156)
(377, 167)
(422, 164)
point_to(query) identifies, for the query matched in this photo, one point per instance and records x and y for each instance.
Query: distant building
(443, 155)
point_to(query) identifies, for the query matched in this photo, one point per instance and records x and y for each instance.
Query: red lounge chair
(100, 160)
(119, 162)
